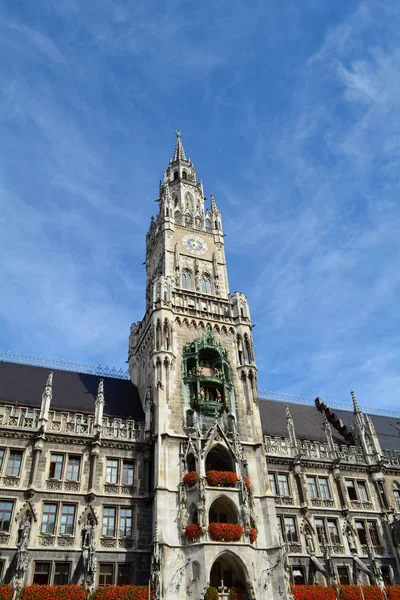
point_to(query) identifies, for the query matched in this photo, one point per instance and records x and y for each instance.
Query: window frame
(187, 277)
(111, 469)
(67, 464)
(46, 523)
(35, 572)
(344, 568)
(326, 530)
(106, 519)
(122, 530)
(124, 471)
(367, 529)
(68, 522)
(52, 462)
(106, 564)
(4, 511)
(55, 573)
(288, 495)
(15, 451)
(355, 486)
(128, 566)
(282, 527)
(319, 486)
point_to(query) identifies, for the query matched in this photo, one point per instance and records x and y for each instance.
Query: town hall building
(180, 474)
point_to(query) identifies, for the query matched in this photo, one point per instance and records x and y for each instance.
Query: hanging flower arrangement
(193, 532)
(191, 478)
(221, 478)
(122, 592)
(211, 594)
(253, 534)
(225, 532)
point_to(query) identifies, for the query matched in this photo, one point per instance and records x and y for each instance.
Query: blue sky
(291, 114)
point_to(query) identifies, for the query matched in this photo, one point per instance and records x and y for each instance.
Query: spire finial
(100, 392)
(179, 153)
(357, 408)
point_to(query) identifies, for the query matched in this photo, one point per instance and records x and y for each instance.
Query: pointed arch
(206, 287)
(229, 568)
(219, 458)
(187, 280)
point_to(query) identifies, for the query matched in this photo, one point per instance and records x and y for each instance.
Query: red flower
(253, 534)
(221, 478)
(193, 532)
(211, 594)
(313, 592)
(225, 532)
(122, 592)
(393, 592)
(190, 478)
(236, 593)
(6, 592)
(247, 481)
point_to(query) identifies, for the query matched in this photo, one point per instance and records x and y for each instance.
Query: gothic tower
(192, 359)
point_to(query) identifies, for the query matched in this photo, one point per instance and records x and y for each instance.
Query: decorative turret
(46, 401)
(99, 407)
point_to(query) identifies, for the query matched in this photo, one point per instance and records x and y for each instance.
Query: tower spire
(179, 153)
(357, 408)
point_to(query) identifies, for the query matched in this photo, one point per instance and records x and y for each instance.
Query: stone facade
(106, 481)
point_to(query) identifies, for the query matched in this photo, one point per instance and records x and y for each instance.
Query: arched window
(175, 201)
(186, 280)
(208, 223)
(176, 175)
(206, 284)
(396, 494)
(184, 175)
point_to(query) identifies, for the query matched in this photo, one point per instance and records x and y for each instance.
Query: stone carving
(21, 562)
(156, 568)
(89, 553)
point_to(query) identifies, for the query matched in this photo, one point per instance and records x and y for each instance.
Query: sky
(290, 112)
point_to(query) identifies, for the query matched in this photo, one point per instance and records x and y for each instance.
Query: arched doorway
(227, 572)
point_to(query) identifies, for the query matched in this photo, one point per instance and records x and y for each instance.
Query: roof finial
(357, 408)
(179, 153)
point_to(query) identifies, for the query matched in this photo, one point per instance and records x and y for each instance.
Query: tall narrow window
(73, 468)
(272, 483)
(362, 491)
(14, 463)
(1, 457)
(290, 529)
(186, 280)
(48, 518)
(362, 534)
(127, 472)
(396, 494)
(333, 531)
(56, 466)
(67, 519)
(373, 533)
(112, 471)
(321, 533)
(351, 490)
(324, 488)
(5, 515)
(206, 284)
(125, 523)
(108, 521)
(312, 487)
(283, 484)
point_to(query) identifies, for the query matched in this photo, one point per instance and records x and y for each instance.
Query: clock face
(195, 244)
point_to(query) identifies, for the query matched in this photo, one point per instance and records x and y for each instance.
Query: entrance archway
(227, 572)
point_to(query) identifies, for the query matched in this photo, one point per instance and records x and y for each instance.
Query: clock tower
(192, 359)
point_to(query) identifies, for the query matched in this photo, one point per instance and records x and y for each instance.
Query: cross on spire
(179, 153)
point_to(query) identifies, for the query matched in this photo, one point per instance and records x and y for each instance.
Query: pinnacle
(357, 408)
(179, 153)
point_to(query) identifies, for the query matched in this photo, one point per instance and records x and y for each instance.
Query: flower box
(353, 592)
(122, 592)
(6, 592)
(193, 532)
(225, 532)
(191, 478)
(211, 594)
(221, 478)
(313, 592)
(54, 592)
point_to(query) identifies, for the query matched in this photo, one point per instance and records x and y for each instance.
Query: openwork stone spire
(179, 153)
(357, 408)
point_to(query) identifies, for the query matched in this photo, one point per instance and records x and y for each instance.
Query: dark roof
(24, 385)
(308, 423)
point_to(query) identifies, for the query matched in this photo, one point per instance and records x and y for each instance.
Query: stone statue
(309, 542)
(351, 540)
(24, 533)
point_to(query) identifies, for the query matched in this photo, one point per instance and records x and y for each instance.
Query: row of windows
(327, 530)
(187, 282)
(318, 487)
(68, 467)
(344, 575)
(59, 573)
(60, 518)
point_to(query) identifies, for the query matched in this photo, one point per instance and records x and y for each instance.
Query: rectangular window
(321, 533)
(106, 574)
(127, 472)
(324, 488)
(112, 471)
(56, 466)
(343, 573)
(41, 574)
(280, 529)
(272, 483)
(351, 490)
(48, 518)
(362, 491)
(124, 574)
(312, 487)
(283, 484)
(67, 519)
(61, 573)
(14, 463)
(5, 515)
(125, 522)
(362, 533)
(73, 467)
(108, 521)
(290, 529)
(386, 574)
(373, 533)
(333, 531)
(1, 457)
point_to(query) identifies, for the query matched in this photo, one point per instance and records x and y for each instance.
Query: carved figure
(351, 540)
(219, 396)
(310, 542)
(24, 533)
